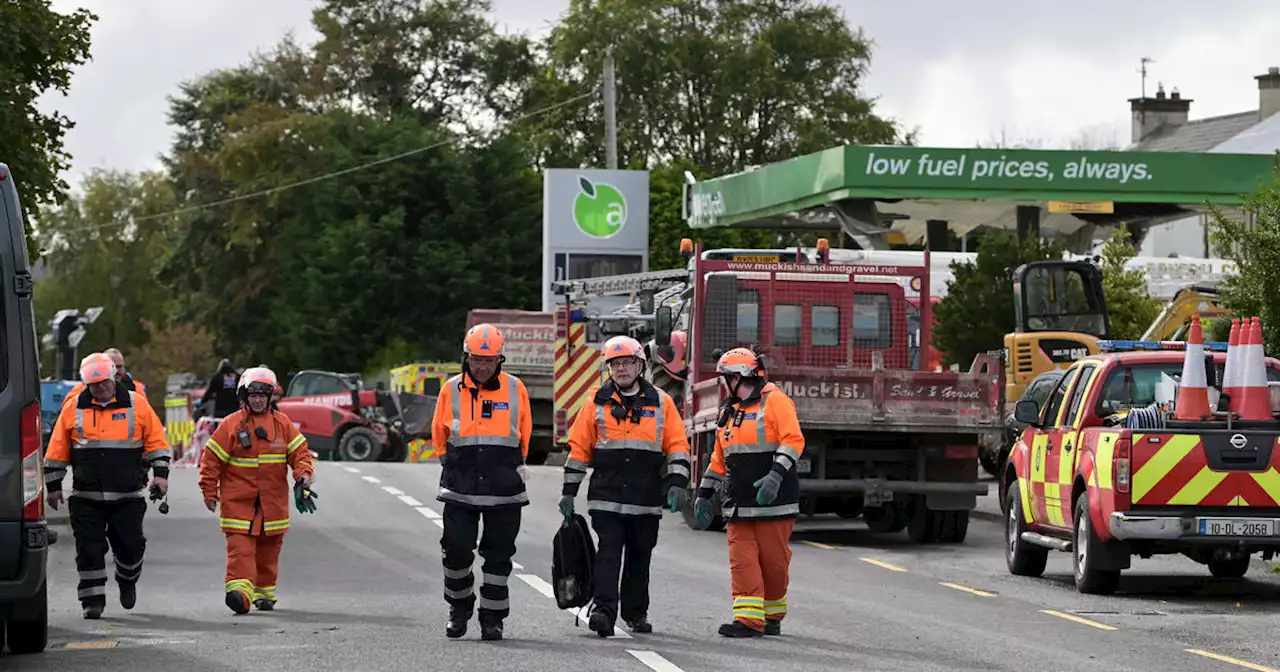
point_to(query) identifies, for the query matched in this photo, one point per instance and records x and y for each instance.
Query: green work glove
(702, 511)
(566, 506)
(768, 488)
(677, 497)
(304, 497)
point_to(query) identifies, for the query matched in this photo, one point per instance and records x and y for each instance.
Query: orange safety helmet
(484, 340)
(622, 346)
(97, 367)
(742, 362)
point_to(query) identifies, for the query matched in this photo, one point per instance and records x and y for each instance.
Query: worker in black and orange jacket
(757, 447)
(632, 436)
(109, 437)
(481, 429)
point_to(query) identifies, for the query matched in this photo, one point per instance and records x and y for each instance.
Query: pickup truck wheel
(924, 525)
(1085, 546)
(31, 636)
(1023, 559)
(359, 444)
(886, 518)
(1229, 568)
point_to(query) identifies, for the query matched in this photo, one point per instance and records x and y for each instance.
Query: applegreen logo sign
(600, 209)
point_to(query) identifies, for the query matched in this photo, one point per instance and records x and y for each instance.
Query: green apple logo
(600, 210)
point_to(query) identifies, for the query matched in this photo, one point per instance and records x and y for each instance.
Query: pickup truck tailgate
(1207, 468)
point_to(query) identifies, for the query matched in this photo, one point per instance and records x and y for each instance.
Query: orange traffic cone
(1256, 399)
(1231, 371)
(1193, 389)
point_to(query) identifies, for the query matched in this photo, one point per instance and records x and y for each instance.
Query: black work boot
(93, 611)
(263, 604)
(457, 625)
(601, 623)
(773, 627)
(640, 624)
(739, 629)
(491, 631)
(237, 602)
(128, 595)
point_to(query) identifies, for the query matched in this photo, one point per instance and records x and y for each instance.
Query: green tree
(98, 256)
(978, 309)
(38, 49)
(723, 85)
(1130, 307)
(1253, 243)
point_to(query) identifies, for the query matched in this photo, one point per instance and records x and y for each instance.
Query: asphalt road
(360, 590)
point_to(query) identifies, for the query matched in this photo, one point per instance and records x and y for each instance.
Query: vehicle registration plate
(1236, 527)
(803, 466)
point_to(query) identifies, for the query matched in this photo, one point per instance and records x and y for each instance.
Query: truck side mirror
(664, 322)
(1027, 412)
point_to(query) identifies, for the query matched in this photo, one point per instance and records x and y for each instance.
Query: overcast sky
(1038, 70)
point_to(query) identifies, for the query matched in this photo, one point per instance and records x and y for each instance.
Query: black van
(24, 537)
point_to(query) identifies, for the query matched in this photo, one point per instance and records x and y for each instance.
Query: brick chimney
(1268, 93)
(1149, 114)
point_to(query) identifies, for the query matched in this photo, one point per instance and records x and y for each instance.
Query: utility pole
(610, 113)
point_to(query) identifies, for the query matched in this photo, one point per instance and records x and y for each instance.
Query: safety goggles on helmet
(483, 340)
(96, 368)
(739, 362)
(258, 374)
(259, 387)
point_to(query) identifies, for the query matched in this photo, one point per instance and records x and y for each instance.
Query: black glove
(304, 497)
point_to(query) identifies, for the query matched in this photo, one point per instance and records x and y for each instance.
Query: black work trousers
(497, 546)
(626, 545)
(98, 525)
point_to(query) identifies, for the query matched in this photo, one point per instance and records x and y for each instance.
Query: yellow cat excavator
(1062, 314)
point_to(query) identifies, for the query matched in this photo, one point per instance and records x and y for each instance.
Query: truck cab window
(826, 325)
(787, 324)
(872, 321)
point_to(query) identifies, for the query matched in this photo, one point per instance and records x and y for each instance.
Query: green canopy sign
(895, 172)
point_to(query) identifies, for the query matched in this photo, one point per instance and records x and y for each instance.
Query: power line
(311, 180)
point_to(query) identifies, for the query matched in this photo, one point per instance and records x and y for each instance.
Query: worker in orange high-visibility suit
(757, 446)
(245, 468)
(109, 437)
(481, 428)
(632, 436)
(122, 377)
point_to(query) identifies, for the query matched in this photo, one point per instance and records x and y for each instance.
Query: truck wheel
(955, 527)
(31, 636)
(717, 521)
(886, 518)
(1023, 559)
(990, 460)
(1085, 545)
(1229, 568)
(396, 450)
(924, 525)
(359, 444)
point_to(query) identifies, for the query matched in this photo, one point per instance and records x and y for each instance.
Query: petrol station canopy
(865, 189)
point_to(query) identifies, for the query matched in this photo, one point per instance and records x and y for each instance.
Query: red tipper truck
(1079, 480)
(893, 444)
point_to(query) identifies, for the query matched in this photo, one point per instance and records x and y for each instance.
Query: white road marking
(352, 470)
(516, 565)
(428, 513)
(1078, 619)
(439, 523)
(654, 661)
(538, 584)
(371, 479)
(394, 491)
(1234, 661)
(410, 501)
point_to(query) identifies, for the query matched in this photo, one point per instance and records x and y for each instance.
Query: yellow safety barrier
(422, 378)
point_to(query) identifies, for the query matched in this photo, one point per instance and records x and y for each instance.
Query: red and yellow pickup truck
(1080, 480)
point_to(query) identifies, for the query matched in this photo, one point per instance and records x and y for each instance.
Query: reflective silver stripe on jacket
(100, 496)
(511, 440)
(484, 500)
(760, 446)
(632, 444)
(626, 509)
(762, 511)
